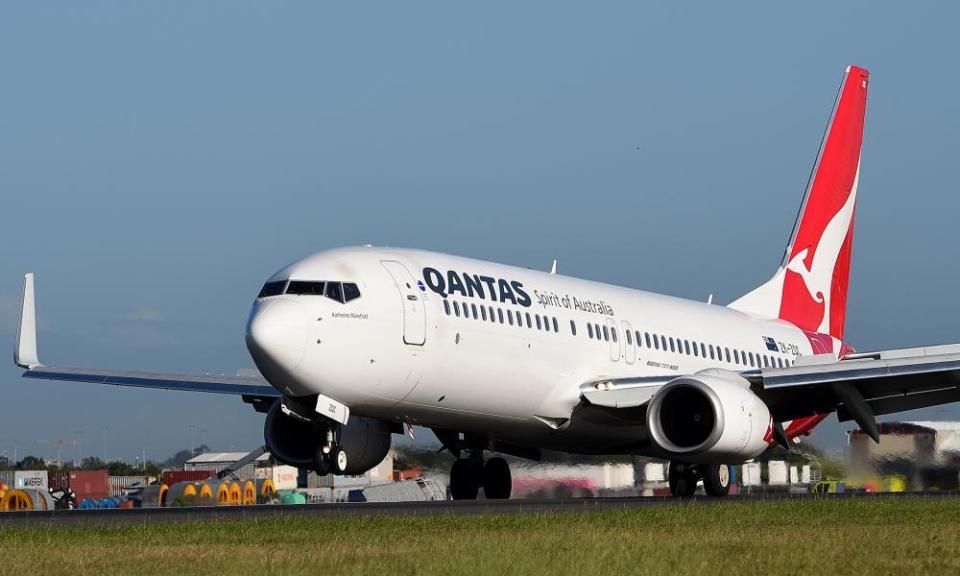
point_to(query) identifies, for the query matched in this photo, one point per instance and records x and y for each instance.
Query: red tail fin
(810, 288)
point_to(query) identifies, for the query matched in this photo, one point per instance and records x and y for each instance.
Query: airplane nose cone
(277, 337)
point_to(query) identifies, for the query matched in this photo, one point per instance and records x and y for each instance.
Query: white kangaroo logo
(818, 277)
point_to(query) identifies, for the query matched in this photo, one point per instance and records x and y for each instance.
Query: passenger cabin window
(456, 309)
(613, 334)
(272, 289)
(573, 327)
(446, 307)
(629, 337)
(590, 331)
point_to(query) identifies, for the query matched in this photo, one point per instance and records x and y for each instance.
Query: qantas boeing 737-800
(353, 344)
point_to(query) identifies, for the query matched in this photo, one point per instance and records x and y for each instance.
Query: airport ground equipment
(26, 499)
(249, 492)
(153, 496)
(265, 487)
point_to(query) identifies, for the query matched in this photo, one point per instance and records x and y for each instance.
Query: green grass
(869, 536)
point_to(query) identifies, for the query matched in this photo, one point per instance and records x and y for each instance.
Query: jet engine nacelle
(710, 417)
(366, 441)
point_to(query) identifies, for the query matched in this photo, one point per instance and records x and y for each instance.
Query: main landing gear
(470, 474)
(330, 458)
(683, 479)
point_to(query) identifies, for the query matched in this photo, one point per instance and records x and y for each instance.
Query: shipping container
(84, 483)
(171, 477)
(124, 485)
(25, 479)
(283, 477)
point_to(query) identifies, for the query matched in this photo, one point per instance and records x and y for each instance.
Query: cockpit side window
(305, 287)
(274, 288)
(334, 291)
(350, 291)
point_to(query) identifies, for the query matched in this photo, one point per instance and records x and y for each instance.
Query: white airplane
(354, 344)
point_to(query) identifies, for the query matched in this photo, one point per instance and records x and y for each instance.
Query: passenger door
(411, 301)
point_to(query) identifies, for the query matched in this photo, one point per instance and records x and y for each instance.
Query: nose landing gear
(470, 474)
(683, 479)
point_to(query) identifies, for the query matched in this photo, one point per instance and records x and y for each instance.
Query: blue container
(107, 503)
(87, 504)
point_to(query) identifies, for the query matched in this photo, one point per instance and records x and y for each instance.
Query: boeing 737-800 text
(353, 344)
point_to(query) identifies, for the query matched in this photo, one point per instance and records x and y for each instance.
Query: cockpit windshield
(340, 291)
(272, 289)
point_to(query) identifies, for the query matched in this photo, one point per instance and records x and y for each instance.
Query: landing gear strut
(683, 479)
(470, 474)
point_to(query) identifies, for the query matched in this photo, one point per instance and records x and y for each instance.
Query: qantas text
(474, 285)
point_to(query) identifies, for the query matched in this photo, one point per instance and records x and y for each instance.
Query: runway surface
(145, 516)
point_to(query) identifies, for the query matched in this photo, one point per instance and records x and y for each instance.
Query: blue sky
(159, 161)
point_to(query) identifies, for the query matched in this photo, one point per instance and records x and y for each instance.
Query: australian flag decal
(771, 344)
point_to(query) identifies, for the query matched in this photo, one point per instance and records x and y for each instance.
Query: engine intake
(709, 418)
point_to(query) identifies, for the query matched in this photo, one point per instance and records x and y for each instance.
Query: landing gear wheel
(497, 480)
(464, 479)
(339, 461)
(682, 479)
(716, 479)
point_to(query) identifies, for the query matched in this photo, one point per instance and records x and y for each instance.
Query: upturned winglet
(25, 353)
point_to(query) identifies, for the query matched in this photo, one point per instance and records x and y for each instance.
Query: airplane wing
(859, 387)
(254, 389)
(864, 385)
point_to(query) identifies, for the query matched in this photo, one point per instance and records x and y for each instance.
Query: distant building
(927, 453)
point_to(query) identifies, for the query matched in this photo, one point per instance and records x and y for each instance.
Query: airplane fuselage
(474, 346)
